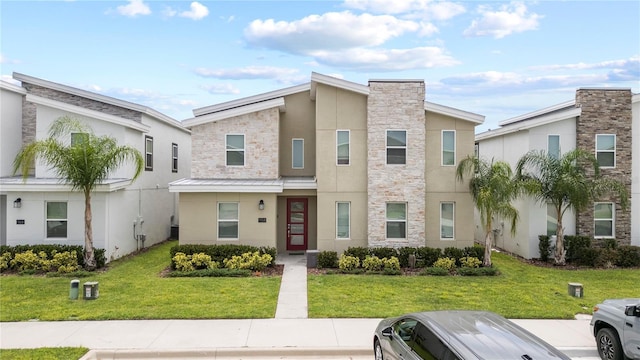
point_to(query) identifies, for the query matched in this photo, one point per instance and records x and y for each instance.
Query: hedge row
(51, 249)
(581, 252)
(219, 253)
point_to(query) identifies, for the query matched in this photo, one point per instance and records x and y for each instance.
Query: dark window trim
(174, 157)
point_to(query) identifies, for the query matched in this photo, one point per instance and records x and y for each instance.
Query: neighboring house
(604, 121)
(126, 216)
(328, 165)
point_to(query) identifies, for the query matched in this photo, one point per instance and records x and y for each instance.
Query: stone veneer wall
(396, 105)
(607, 111)
(261, 131)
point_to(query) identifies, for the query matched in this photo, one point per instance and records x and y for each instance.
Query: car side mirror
(387, 332)
(632, 311)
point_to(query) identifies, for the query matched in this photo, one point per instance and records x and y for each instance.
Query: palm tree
(570, 181)
(492, 188)
(80, 158)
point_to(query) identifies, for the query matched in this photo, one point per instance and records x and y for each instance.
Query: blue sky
(495, 58)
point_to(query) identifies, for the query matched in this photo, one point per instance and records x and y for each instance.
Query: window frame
(174, 157)
(551, 215)
(387, 220)
(442, 157)
(239, 150)
(388, 147)
(614, 151)
(348, 236)
(549, 137)
(348, 144)
(236, 221)
(612, 220)
(453, 220)
(148, 155)
(47, 219)
(293, 157)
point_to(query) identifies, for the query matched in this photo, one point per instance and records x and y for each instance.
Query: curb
(232, 353)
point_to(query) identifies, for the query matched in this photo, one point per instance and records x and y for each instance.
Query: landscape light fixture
(261, 205)
(18, 203)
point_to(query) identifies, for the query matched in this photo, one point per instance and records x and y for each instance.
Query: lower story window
(343, 215)
(228, 220)
(56, 219)
(603, 220)
(446, 220)
(396, 220)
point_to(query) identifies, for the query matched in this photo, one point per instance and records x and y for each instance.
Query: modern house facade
(604, 121)
(126, 216)
(328, 165)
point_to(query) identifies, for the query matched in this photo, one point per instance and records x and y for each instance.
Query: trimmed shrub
(29, 261)
(587, 256)
(470, 262)
(219, 253)
(434, 271)
(249, 261)
(182, 262)
(328, 260)
(384, 252)
(5, 260)
(391, 263)
(348, 263)
(481, 271)
(574, 245)
(64, 262)
(446, 263)
(628, 256)
(372, 263)
(476, 251)
(453, 253)
(359, 252)
(544, 245)
(403, 255)
(610, 244)
(607, 258)
(426, 256)
(211, 273)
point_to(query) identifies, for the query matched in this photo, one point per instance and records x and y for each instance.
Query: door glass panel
(297, 217)
(297, 206)
(297, 228)
(297, 239)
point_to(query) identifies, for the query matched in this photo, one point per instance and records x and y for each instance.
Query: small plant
(445, 263)
(434, 271)
(29, 261)
(183, 262)
(203, 261)
(5, 260)
(544, 246)
(482, 271)
(328, 260)
(372, 263)
(628, 256)
(64, 262)
(391, 264)
(249, 261)
(470, 262)
(348, 263)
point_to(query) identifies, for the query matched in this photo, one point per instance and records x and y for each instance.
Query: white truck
(616, 327)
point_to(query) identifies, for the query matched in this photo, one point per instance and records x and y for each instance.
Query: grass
(132, 288)
(62, 353)
(522, 291)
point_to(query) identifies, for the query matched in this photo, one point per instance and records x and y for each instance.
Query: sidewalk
(290, 335)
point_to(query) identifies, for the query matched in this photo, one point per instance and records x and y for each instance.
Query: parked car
(616, 327)
(458, 335)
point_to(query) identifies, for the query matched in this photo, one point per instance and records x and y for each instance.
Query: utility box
(312, 258)
(576, 290)
(74, 289)
(91, 290)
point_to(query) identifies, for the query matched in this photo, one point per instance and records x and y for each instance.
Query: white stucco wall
(10, 126)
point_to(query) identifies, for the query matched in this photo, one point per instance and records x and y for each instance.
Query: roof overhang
(242, 185)
(335, 82)
(453, 112)
(525, 125)
(18, 184)
(553, 108)
(225, 114)
(12, 87)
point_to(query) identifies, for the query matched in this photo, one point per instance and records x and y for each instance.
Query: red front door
(296, 224)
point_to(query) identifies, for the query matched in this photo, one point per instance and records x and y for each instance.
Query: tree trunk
(560, 253)
(486, 262)
(89, 254)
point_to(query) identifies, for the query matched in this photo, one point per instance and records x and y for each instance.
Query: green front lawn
(62, 353)
(521, 291)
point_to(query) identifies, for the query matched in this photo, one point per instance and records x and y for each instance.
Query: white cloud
(249, 72)
(509, 19)
(376, 60)
(134, 8)
(434, 10)
(329, 31)
(169, 12)
(6, 60)
(197, 11)
(217, 89)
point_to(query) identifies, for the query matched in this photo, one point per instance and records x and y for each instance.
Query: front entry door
(296, 224)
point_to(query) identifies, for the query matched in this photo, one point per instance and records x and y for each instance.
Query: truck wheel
(608, 345)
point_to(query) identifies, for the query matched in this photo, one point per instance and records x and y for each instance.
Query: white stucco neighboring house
(126, 216)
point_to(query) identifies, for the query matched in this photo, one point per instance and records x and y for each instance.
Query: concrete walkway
(292, 300)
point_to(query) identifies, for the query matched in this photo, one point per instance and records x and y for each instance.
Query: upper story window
(553, 146)
(343, 155)
(343, 220)
(56, 219)
(396, 220)
(148, 153)
(396, 147)
(174, 157)
(235, 149)
(228, 220)
(606, 150)
(448, 147)
(447, 220)
(297, 153)
(603, 220)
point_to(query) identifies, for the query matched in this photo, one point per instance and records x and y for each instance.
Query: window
(606, 150)
(343, 220)
(603, 220)
(297, 153)
(396, 220)
(343, 138)
(148, 153)
(446, 220)
(235, 150)
(56, 219)
(448, 147)
(174, 157)
(553, 146)
(78, 138)
(396, 147)
(228, 220)
(552, 220)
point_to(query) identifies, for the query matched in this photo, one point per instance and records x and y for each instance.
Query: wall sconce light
(18, 203)
(261, 205)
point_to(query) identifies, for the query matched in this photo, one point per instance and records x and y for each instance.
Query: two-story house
(126, 216)
(328, 165)
(604, 121)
